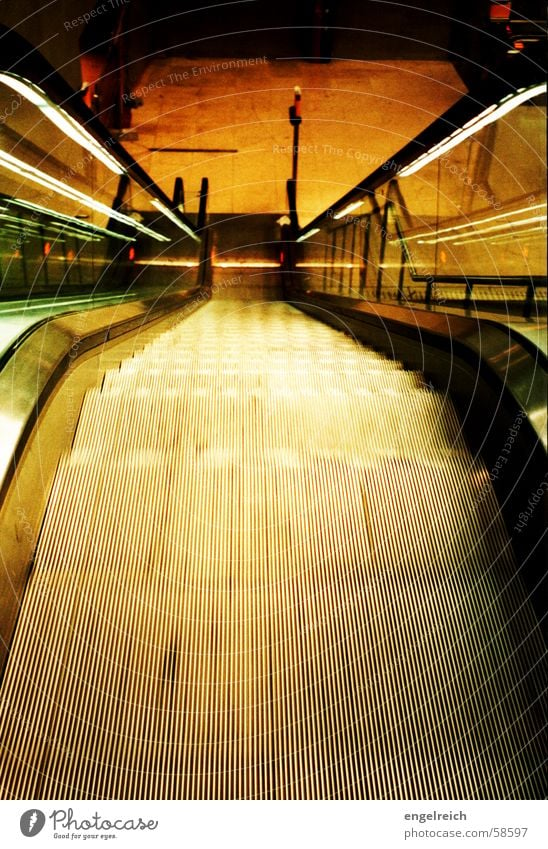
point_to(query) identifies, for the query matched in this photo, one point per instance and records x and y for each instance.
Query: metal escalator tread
(265, 572)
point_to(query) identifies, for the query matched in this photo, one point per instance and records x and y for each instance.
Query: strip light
(309, 234)
(234, 263)
(492, 113)
(28, 172)
(182, 263)
(328, 265)
(537, 230)
(53, 305)
(164, 263)
(505, 226)
(420, 236)
(161, 207)
(348, 209)
(57, 228)
(62, 120)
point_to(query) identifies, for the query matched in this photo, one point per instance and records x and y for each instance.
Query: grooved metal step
(266, 571)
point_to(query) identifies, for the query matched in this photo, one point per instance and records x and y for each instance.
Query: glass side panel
(36, 149)
(72, 219)
(467, 227)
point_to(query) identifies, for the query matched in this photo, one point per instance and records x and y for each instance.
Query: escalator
(269, 569)
(265, 490)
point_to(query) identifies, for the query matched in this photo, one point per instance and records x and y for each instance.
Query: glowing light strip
(28, 172)
(44, 305)
(194, 263)
(309, 234)
(170, 263)
(492, 113)
(298, 424)
(62, 120)
(538, 230)
(28, 224)
(245, 264)
(84, 225)
(478, 221)
(505, 226)
(31, 228)
(80, 228)
(76, 234)
(348, 209)
(172, 217)
(327, 265)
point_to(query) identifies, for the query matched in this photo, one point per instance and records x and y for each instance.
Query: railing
(456, 218)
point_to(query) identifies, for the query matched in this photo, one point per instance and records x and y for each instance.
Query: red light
(519, 45)
(282, 257)
(297, 102)
(47, 248)
(131, 253)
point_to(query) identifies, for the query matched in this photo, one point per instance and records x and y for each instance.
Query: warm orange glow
(500, 11)
(327, 265)
(175, 263)
(184, 263)
(234, 263)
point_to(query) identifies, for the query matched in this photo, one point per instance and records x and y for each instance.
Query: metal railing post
(402, 272)
(204, 275)
(292, 203)
(352, 250)
(382, 250)
(343, 260)
(529, 299)
(363, 270)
